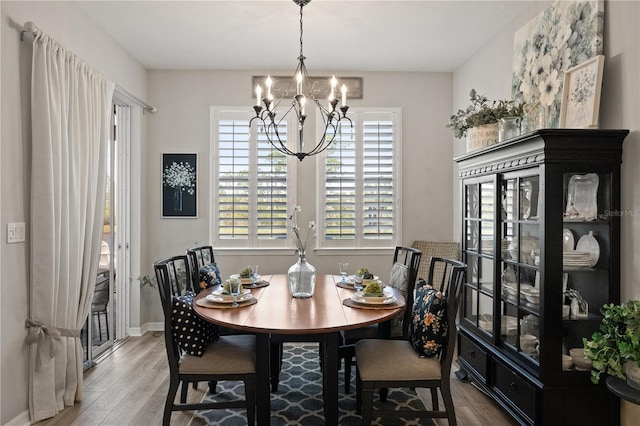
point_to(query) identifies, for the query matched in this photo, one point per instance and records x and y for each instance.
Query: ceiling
(339, 35)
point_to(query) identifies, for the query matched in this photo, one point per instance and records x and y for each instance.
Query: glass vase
(302, 278)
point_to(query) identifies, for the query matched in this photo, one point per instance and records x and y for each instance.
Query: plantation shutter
(340, 184)
(233, 179)
(271, 188)
(252, 187)
(360, 197)
(378, 192)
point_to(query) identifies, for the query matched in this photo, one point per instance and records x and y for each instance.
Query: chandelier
(332, 117)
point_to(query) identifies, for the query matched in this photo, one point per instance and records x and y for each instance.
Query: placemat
(347, 285)
(258, 284)
(351, 303)
(207, 304)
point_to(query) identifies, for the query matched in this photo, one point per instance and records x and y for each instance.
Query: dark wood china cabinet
(541, 237)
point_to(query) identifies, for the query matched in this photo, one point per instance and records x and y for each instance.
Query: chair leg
(367, 405)
(358, 392)
(212, 387)
(183, 392)
(276, 364)
(168, 405)
(434, 399)
(348, 362)
(106, 322)
(383, 394)
(448, 404)
(250, 399)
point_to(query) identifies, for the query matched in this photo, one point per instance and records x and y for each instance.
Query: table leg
(329, 342)
(263, 395)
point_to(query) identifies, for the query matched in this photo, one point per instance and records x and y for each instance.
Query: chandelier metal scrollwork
(332, 116)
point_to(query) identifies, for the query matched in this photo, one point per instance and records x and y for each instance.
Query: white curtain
(70, 112)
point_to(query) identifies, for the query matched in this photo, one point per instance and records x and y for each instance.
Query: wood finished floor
(129, 386)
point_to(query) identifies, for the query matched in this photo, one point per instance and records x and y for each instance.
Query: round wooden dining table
(319, 319)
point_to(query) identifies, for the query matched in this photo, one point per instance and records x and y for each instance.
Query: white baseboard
(149, 326)
(21, 419)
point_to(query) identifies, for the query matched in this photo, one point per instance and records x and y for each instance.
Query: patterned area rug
(299, 397)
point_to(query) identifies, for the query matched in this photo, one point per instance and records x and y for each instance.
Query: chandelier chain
(301, 6)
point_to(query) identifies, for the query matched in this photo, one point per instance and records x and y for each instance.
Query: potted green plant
(615, 348)
(479, 122)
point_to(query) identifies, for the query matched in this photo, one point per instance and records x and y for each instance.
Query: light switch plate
(15, 232)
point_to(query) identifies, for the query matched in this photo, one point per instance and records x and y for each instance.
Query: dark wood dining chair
(403, 277)
(383, 364)
(100, 302)
(198, 257)
(230, 358)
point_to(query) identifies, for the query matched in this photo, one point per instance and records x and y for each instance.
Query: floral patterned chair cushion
(209, 276)
(192, 333)
(428, 328)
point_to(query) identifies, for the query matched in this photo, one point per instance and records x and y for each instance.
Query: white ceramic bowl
(567, 362)
(579, 360)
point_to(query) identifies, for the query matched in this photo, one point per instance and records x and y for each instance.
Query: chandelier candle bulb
(258, 94)
(299, 79)
(268, 83)
(344, 95)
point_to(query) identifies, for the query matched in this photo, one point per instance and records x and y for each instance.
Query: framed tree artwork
(581, 94)
(179, 185)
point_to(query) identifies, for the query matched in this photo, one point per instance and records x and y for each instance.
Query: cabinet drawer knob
(471, 353)
(513, 387)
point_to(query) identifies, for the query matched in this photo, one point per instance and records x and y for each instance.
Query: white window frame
(358, 115)
(252, 242)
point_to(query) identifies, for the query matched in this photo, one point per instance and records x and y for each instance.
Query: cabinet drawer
(474, 356)
(520, 393)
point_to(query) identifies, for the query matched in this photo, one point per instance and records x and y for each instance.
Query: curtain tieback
(43, 336)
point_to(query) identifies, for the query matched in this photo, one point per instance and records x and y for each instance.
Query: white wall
(182, 123)
(65, 23)
(489, 71)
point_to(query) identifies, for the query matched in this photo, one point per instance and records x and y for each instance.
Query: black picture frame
(179, 180)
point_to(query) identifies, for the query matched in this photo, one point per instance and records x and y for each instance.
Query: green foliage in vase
(616, 342)
(481, 111)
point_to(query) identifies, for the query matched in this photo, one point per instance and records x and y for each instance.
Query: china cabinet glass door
(479, 240)
(520, 288)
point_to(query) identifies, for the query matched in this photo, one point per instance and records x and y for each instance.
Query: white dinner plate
(589, 244)
(568, 243)
(387, 299)
(246, 280)
(219, 297)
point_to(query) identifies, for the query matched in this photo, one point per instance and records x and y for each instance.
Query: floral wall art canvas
(565, 34)
(179, 191)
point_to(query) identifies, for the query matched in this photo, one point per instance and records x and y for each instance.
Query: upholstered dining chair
(397, 363)
(215, 358)
(404, 272)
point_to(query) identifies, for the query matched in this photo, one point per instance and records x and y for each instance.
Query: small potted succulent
(615, 348)
(479, 122)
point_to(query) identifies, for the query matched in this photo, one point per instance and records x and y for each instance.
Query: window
(251, 187)
(360, 198)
